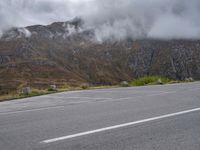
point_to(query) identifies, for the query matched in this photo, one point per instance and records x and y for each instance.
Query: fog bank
(111, 19)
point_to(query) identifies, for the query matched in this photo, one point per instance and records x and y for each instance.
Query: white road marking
(93, 98)
(29, 110)
(97, 100)
(42, 108)
(130, 98)
(118, 126)
(163, 93)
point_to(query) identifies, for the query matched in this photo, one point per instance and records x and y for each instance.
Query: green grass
(150, 80)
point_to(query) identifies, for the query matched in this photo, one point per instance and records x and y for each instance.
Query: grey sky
(110, 18)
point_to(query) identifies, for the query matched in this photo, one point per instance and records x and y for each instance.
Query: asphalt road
(139, 118)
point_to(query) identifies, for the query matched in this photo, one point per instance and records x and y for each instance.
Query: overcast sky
(110, 18)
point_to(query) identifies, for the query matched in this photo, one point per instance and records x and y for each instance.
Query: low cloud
(110, 19)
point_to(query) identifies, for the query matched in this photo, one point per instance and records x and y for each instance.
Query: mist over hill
(67, 53)
(110, 19)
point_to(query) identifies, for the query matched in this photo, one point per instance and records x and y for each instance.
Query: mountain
(66, 53)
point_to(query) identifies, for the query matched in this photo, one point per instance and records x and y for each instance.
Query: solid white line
(118, 126)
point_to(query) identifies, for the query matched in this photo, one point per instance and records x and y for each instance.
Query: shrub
(65, 86)
(148, 80)
(85, 86)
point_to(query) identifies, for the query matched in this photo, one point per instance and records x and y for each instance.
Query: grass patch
(85, 86)
(150, 80)
(147, 80)
(35, 92)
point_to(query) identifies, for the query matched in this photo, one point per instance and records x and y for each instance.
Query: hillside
(64, 53)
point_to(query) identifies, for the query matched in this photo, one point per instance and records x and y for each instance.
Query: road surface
(137, 118)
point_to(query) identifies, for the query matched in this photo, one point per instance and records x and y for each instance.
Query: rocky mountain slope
(64, 53)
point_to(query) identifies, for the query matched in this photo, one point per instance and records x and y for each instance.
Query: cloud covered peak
(110, 19)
